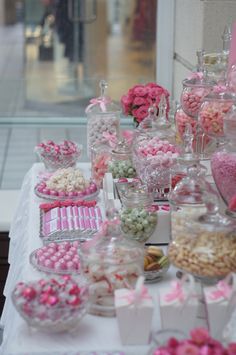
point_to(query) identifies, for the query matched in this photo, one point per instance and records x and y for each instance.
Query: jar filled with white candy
(208, 248)
(138, 217)
(121, 163)
(110, 262)
(103, 119)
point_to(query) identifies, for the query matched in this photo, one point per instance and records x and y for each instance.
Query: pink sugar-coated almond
(67, 257)
(51, 251)
(54, 258)
(53, 193)
(49, 263)
(71, 194)
(53, 245)
(61, 193)
(39, 253)
(57, 266)
(73, 249)
(46, 254)
(65, 245)
(46, 191)
(81, 194)
(76, 244)
(70, 265)
(71, 254)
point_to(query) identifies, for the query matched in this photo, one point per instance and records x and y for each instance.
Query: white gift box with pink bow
(220, 303)
(179, 305)
(134, 310)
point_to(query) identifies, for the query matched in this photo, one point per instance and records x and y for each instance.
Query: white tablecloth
(93, 334)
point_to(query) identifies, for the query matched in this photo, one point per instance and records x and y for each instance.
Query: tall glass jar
(194, 91)
(110, 262)
(138, 219)
(121, 163)
(213, 111)
(223, 164)
(103, 119)
(207, 250)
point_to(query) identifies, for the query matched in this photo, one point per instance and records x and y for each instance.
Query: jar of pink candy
(110, 262)
(214, 109)
(100, 158)
(223, 164)
(103, 118)
(58, 155)
(194, 90)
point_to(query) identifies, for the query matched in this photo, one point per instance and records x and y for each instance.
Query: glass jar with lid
(223, 164)
(103, 118)
(121, 164)
(213, 111)
(138, 217)
(100, 158)
(207, 250)
(194, 90)
(110, 262)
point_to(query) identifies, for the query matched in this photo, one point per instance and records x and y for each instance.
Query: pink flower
(140, 90)
(139, 101)
(187, 349)
(231, 350)
(200, 336)
(141, 113)
(155, 93)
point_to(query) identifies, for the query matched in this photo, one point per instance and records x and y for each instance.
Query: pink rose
(155, 93)
(138, 101)
(141, 113)
(200, 336)
(140, 90)
(187, 349)
(231, 350)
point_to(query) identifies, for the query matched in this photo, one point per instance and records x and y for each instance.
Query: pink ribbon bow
(111, 138)
(138, 294)
(176, 293)
(101, 101)
(223, 290)
(219, 88)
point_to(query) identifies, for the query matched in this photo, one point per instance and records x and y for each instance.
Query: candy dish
(156, 264)
(87, 194)
(55, 156)
(57, 258)
(52, 305)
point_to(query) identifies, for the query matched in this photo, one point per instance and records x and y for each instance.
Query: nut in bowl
(52, 305)
(156, 264)
(56, 156)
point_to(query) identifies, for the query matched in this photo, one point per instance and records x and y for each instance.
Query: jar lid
(198, 81)
(122, 148)
(102, 104)
(190, 190)
(135, 195)
(225, 96)
(109, 245)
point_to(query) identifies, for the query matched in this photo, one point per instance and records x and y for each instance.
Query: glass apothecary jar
(208, 250)
(121, 164)
(231, 77)
(138, 218)
(194, 90)
(110, 262)
(213, 111)
(103, 118)
(223, 164)
(100, 158)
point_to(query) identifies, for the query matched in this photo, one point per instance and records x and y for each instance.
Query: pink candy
(191, 101)
(59, 257)
(64, 148)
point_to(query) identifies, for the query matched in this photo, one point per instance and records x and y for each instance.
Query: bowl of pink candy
(56, 156)
(52, 305)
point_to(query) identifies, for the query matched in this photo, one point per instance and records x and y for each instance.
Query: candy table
(94, 335)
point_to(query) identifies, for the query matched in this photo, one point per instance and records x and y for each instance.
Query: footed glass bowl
(56, 156)
(51, 305)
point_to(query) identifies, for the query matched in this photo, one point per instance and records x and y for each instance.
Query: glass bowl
(56, 156)
(156, 264)
(52, 305)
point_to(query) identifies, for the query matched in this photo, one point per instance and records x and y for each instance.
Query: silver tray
(34, 263)
(65, 235)
(62, 198)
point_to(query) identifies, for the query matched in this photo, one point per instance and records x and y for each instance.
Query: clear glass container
(194, 91)
(100, 158)
(232, 78)
(103, 117)
(121, 164)
(223, 164)
(212, 113)
(206, 247)
(110, 262)
(138, 219)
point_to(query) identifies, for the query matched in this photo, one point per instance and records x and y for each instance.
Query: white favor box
(218, 312)
(176, 314)
(162, 232)
(134, 320)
